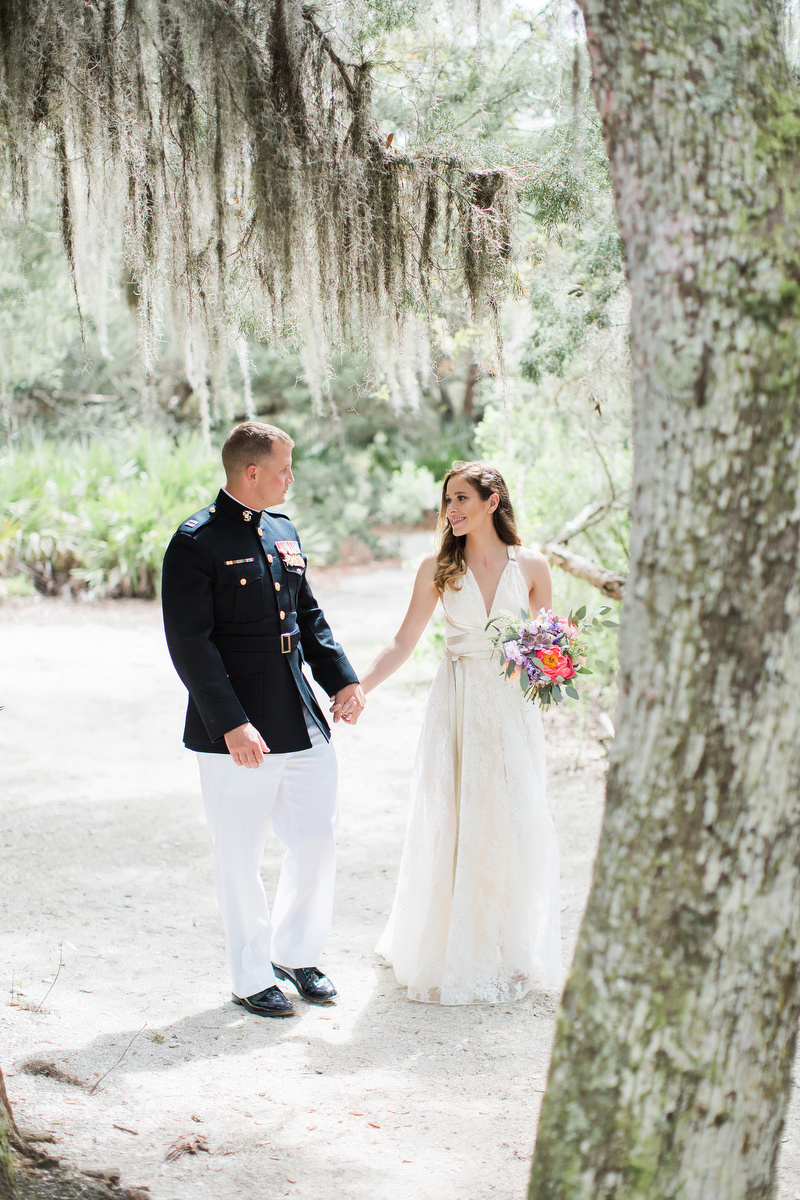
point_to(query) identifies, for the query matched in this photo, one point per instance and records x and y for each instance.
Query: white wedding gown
(476, 917)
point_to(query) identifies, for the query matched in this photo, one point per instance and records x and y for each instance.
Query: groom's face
(271, 476)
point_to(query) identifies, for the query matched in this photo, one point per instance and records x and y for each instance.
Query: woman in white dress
(476, 916)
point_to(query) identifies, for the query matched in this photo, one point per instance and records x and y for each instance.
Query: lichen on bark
(676, 1036)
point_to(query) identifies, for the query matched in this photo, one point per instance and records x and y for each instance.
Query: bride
(476, 916)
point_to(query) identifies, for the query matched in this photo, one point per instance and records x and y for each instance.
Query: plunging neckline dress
(477, 917)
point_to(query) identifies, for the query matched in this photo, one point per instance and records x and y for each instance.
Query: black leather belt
(283, 643)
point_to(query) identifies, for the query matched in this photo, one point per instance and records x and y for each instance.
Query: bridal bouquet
(546, 652)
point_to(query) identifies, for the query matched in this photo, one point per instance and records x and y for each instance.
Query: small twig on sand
(119, 1060)
(55, 981)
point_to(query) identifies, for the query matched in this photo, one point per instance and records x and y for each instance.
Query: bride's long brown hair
(450, 561)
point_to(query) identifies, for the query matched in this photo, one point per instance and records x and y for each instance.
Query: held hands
(246, 745)
(348, 704)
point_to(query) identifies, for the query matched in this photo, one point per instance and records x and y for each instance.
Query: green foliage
(577, 284)
(96, 516)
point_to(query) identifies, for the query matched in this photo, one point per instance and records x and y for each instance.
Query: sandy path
(104, 849)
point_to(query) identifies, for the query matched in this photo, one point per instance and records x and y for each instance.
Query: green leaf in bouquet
(569, 618)
(571, 692)
(601, 612)
(524, 682)
(525, 613)
(510, 668)
(581, 613)
(598, 662)
(584, 671)
(611, 624)
(556, 693)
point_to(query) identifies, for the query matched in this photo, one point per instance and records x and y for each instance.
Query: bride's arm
(420, 610)
(537, 576)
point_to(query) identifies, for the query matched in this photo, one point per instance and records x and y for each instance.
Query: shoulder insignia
(285, 516)
(196, 522)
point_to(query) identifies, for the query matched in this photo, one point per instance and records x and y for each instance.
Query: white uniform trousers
(298, 792)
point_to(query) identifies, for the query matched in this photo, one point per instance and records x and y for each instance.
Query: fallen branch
(608, 582)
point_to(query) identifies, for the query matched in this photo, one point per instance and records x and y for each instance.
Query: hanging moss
(239, 152)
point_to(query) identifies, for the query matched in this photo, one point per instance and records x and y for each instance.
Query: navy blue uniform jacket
(240, 620)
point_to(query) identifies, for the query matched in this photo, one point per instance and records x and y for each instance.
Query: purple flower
(513, 652)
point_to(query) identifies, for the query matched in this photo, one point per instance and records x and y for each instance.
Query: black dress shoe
(269, 1003)
(310, 983)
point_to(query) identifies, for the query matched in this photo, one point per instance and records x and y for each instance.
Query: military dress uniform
(240, 620)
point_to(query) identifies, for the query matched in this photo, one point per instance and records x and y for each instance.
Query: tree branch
(589, 515)
(325, 43)
(608, 582)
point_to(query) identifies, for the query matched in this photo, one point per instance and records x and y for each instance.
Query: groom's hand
(246, 745)
(348, 704)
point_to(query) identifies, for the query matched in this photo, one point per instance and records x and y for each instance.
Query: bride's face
(466, 511)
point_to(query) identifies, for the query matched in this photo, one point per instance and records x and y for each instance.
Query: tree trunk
(671, 1067)
(9, 1138)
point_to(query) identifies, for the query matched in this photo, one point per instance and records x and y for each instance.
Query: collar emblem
(248, 516)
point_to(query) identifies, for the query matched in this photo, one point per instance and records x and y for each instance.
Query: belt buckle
(286, 643)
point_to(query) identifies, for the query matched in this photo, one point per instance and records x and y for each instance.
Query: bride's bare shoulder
(524, 554)
(427, 569)
(532, 563)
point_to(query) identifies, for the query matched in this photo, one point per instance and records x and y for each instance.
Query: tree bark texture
(676, 1036)
(10, 1139)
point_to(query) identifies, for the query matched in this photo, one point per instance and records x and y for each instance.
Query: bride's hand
(348, 704)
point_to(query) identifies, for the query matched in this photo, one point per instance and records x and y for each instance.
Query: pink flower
(555, 664)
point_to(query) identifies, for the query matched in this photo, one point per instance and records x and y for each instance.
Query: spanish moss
(235, 151)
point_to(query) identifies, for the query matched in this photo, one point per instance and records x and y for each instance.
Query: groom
(240, 620)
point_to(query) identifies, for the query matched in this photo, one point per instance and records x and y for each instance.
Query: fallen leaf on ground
(187, 1145)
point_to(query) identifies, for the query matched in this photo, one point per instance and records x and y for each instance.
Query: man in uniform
(240, 620)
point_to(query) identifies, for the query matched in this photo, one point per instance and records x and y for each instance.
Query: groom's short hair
(249, 443)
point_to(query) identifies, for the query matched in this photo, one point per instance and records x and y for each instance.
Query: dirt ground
(106, 861)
